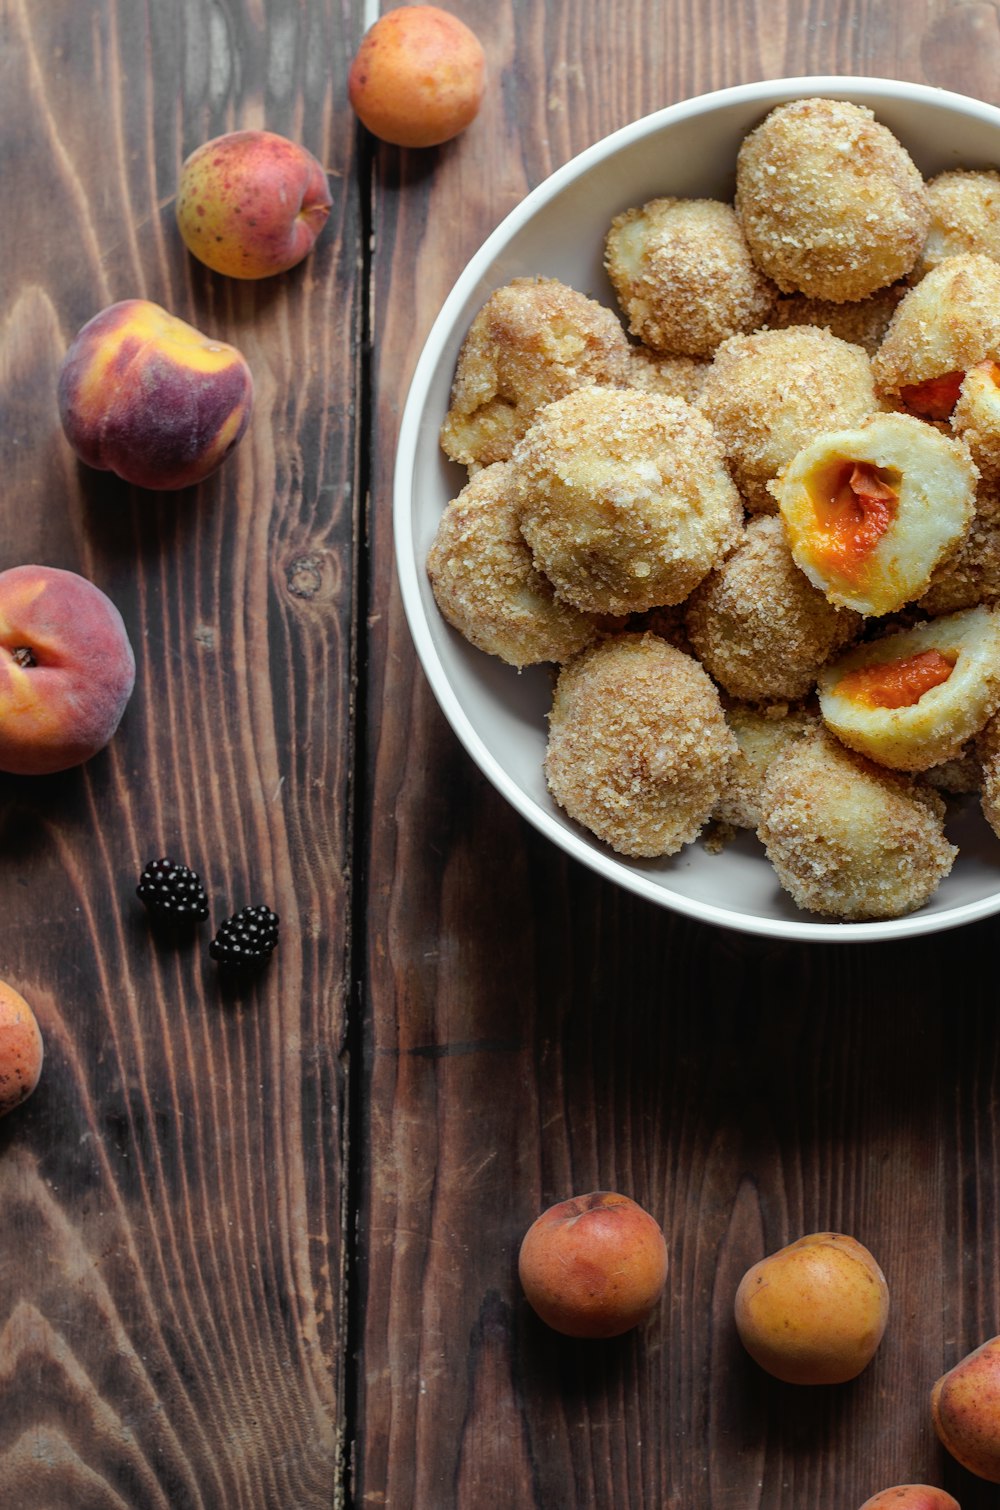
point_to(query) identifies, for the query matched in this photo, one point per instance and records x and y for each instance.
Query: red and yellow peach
(66, 670)
(594, 1265)
(251, 204)
(146, 396)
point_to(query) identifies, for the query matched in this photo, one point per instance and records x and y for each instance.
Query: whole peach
(251, 204)
(593, 1266)
(66, 669)
(21, 1049)
(911, 1497)
(965, 1406)
(146, 396)
(418, 77)
(815, 1311)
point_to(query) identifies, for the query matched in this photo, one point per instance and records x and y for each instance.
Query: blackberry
(172, 893)
(246, 940)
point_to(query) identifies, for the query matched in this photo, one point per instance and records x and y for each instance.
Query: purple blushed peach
(146, 396)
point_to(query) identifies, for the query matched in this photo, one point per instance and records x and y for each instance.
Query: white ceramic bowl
(558, 231)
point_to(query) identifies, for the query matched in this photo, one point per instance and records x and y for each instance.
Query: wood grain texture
(532, 1032)
(172, 1257)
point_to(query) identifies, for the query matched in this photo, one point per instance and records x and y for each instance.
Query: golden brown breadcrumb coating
(861, 322)
(534, 340)
(484, 582)
(761, 736)
(831, 203)
(638, 745)
(673, 377)
(768, 394)
(848, 839)
(683, 275)
(944, 326)
(965, 216)
(624, 499)
(758, 625)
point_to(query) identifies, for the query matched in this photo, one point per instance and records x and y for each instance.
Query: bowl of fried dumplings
(697, 508)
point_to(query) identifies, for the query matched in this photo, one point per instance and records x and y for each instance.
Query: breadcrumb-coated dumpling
(768, 394)
(914, 698)
(861, 322)
(683, 275)
(848, 839)
(972, 574)
(988, 755)
(638, 745)
(624, 499)
(965, 216)
(760, 736)
(673, 377)
(870, 512)
(533, 341)
(831, 203)
(976, 417)
(944, 326)
(962, 776)
(486, 586)
(758, 625)
(667, 622)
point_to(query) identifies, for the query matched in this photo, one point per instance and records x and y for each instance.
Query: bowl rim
(611, 866)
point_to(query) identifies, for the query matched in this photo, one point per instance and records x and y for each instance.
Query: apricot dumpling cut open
(870, 512)
(912, 699)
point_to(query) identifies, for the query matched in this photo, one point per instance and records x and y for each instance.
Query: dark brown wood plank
(172, 1258)
(533, 1032)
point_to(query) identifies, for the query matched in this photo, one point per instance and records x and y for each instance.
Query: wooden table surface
(258, 1248)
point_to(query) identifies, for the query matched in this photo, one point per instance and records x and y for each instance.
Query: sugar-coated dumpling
(485, 583)
(760, 736)
(944, 326)
(683, 275)
(759, 626)
(831, 203)
(638, 747)
(848, 839)
(624, 499)
(533, 341)
(976, 417)
(965, 216)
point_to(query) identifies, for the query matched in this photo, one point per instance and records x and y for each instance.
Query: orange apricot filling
(854, 504)
(934, 398)
(896, 684)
